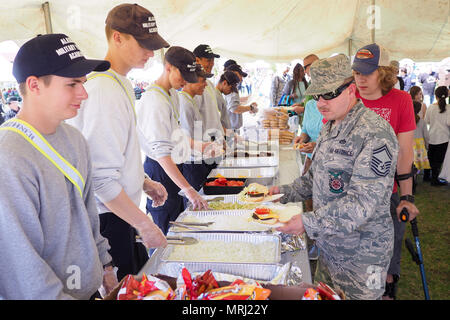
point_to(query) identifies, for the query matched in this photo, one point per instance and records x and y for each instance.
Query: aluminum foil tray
(269, 272)
(227, 198)
(257, 271)
(254, 238)
(249, 162)
(220, 216)
(249, 173)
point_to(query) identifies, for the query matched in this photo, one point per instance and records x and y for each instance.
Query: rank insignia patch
(335, 182)
(381, 161)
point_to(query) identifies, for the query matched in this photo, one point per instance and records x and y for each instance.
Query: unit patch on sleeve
(381, 161)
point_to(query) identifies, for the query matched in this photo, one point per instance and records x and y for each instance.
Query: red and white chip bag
(149, 288)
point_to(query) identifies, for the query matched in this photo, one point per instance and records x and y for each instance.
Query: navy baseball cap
(369, 58)
(205, 51)
(236, 67)
(231, 78)
(184, 60)
(53, 54)
(229, 63)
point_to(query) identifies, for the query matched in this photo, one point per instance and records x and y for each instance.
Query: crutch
(416, 255)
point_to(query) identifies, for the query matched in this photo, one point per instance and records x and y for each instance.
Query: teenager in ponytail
(438, 118)
(441, 94)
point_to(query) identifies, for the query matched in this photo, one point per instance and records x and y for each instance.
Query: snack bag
(311, 294)
(149, 288)
(237, 292)
(195, 287)
(326, 292)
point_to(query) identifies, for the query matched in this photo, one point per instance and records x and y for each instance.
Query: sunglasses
(333, 94)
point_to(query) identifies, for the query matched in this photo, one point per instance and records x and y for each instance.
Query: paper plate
(266, 199)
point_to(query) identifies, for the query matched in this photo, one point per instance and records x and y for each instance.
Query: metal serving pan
(254, 162)
(252, 238)
(262, 271)
(220, 217)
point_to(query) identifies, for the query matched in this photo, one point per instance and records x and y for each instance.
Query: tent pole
(47, 17)
(350, 44)
(374, 22)
(161, 55)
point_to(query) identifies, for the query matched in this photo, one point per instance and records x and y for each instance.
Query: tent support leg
(47, 17)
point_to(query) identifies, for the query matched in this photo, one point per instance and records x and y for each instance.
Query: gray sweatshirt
(107, 121)
(50, 241)
(233, 101)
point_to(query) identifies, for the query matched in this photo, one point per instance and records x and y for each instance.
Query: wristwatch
(109, 264)
(407, 197)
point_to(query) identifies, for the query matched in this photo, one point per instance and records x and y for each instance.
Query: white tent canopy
(249, 30)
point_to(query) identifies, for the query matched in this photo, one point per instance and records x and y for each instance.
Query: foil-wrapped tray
(225, 220)
(264, 175)
(255, 270)
(249, 162)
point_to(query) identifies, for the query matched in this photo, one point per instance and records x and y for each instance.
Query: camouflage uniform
(350, 181)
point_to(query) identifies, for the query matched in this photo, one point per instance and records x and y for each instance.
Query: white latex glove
(155, 191)
(109, 279)
(212, 150)
(150, 234)
(195, 198)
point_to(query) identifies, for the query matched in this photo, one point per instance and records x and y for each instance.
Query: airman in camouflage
(350, 182)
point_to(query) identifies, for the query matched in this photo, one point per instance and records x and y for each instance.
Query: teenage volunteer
(50, 243)
(375, 80)
(161, 138)
(107, 119)
(195, 171)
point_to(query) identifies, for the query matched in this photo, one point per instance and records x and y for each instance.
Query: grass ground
(434, 235)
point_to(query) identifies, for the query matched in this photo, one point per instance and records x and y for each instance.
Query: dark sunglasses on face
(333, 94)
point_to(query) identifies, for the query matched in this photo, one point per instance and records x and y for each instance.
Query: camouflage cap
(329, 74)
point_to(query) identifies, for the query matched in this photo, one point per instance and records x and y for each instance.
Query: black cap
(205, 51)
(137, 21)
(236, 67)
(201, 72)
(53, 54)
(11, 99)
(229, 63)
(184, 60)
(231, 78)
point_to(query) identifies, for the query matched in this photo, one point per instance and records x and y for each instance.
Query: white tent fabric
(248, 30)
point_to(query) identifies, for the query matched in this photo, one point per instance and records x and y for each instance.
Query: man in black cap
(51, 243)
(235, 109)
(107, 119)
(212, 126)
(13, 104)
(226, 85)
(212, 116)
(195, 170)
(158, 125)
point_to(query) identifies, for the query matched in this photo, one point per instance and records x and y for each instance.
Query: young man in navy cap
(212, 125)
(51, 244)
(108, 121)
(375, 80)
(235, 109)
(159, 127)
(226, 85)
(191, 118)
